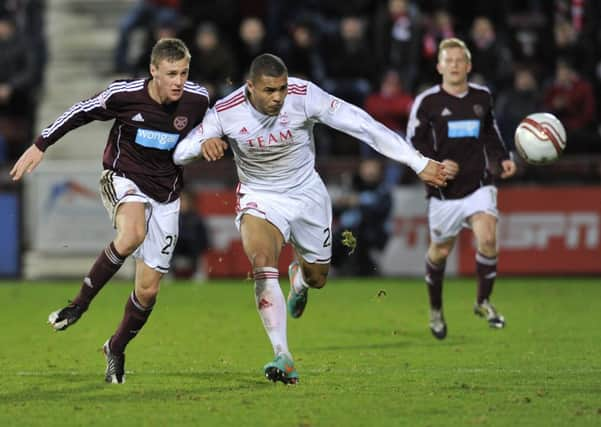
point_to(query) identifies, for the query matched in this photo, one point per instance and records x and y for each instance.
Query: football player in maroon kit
(454, 123)
(139, 186)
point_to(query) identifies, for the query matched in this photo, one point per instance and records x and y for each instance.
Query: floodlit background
(534, 56)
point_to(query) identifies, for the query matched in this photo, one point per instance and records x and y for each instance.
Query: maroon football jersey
(459, 128)
(144, 133)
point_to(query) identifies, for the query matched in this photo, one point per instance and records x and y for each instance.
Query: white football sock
(271, 305)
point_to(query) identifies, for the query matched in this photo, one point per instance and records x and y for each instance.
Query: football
(540, 138)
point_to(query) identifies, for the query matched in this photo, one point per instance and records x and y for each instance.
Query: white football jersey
(277, 153)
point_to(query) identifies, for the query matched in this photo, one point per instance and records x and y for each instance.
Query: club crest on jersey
(284, 120)
(479, 110)
(180, 122)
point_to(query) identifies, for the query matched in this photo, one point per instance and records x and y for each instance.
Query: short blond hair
(170, 49)
(454, 42)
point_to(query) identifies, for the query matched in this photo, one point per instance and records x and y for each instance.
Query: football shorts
(304, 217)
(446, 218)
(162, 219)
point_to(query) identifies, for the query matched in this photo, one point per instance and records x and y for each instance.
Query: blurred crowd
(534, 55)
(23, 56)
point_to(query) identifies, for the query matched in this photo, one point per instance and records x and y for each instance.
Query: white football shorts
(446, 218)
(304, 217)
(162, 219)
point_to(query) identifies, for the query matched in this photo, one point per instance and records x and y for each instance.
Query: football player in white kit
(281, 198)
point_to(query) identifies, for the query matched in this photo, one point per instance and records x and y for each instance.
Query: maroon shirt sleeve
(96, 108)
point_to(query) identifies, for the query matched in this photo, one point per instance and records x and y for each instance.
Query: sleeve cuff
(41, 144)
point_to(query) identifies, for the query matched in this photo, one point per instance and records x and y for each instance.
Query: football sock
(486, 269)
(134, 318)
(272, 307)
(298, 282)
(105, 267)
(434, 277)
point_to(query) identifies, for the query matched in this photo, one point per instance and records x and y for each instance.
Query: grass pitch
(363, 350)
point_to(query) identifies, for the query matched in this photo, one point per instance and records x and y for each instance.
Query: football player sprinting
(454, 123)
(139, 186)
(280, 197)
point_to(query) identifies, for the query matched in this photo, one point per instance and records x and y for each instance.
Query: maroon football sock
(134, 318)
(105, 267)
(486, 269)
(434, 277)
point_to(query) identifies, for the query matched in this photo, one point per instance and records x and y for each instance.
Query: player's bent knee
(261, 259)
(147, 296)
(487, 244)
(128, 240)
(315, 279)
(441, 253)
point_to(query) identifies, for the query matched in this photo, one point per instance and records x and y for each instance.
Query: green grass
(363, 360)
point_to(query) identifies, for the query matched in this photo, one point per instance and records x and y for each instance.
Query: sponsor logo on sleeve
(334, 105)
(198, 131)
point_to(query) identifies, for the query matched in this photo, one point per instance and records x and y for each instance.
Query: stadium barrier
(11, 232)
(541, 231)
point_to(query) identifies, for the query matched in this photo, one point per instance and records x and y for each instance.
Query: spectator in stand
(213, 62)
(17, 90)
(572, 47)
(529, 31)
(301, 52)
(397, 38)
(437, 27)
(364, 211)
(28, 17)
(517, 102)
(391, 106)
(144, 14)
(166, 26)
(570, 97)
(491, 58)
(252, 42)
(349, 63)
(224, 14)
(192, 242)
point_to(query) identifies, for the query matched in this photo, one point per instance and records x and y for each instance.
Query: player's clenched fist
(213, 149)
(434, 174)
(28, 161)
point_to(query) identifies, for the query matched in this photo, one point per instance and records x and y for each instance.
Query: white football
(540, 138)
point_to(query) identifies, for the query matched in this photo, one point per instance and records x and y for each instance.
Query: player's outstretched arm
(202, 141)
(28, 161)
(509, 169)
(434, 174)
(213, 149)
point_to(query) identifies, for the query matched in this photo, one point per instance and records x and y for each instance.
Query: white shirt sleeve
(190, 148)
(340, 115)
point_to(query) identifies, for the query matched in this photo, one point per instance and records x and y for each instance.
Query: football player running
(280, 197)
(139, 186)
(454, 123)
